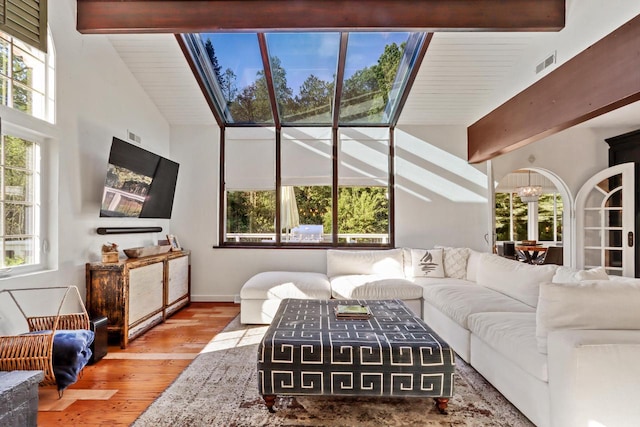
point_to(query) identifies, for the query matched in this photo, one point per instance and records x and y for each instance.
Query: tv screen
(139, 183)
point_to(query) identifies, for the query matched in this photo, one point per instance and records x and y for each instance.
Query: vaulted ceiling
(463, 77)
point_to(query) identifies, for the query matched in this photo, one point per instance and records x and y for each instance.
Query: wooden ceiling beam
(598, 80)
(188, 16)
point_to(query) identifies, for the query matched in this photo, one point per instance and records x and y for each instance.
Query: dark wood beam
(188, 16)
(596, 81)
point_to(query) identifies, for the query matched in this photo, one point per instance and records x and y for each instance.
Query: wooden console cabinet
(138, 293)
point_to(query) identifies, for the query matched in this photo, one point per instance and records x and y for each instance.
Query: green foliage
(363, 210)
(314, 205)
(211, 53)
(520, 217)
(228, 85)
(251, 211)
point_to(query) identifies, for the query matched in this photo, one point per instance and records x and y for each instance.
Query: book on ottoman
(352, 312)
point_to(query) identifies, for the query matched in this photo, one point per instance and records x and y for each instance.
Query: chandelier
(530, 193)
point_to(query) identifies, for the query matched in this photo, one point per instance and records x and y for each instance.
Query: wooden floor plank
(117, 389)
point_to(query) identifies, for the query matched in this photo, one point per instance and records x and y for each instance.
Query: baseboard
(213, 298)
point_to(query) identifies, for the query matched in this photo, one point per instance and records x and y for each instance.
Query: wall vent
(133, 137)
(548, 61)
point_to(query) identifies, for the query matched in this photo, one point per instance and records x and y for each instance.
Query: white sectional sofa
(562, 345)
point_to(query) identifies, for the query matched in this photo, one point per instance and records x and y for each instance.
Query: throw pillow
(513, 278)
(455, 262)
(569, 275)
(597, 304)
(427, 263)
(384, 262)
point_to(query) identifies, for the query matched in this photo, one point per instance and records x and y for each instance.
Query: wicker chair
(35, 351)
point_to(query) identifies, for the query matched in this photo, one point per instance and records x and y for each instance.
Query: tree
(313, 100)
(228, 85)
(363, 210)
(314, 203)
(387, 68)
(211, 54)
(22, 97)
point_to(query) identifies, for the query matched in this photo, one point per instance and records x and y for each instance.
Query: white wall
(440, 198)
(97, 98)
(574, 155)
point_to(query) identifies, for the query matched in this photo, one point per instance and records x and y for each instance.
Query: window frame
(40, 194)
(334, 242)
(48, 83)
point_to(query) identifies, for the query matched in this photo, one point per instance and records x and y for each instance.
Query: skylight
(297, 79)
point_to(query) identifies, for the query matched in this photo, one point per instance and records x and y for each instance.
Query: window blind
(250, 158)
(363, 157)
(25, 20)
(306, 156)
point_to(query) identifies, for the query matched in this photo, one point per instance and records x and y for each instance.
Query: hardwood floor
(117, 389)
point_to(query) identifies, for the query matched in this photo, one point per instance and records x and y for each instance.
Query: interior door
(605, 221)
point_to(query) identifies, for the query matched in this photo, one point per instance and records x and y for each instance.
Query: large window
(19, 201)
(306, 119)
(308, 205)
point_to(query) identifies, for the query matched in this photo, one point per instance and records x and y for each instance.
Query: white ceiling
(462, 77)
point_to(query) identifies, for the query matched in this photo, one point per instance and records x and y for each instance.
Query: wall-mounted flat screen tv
(139, 183)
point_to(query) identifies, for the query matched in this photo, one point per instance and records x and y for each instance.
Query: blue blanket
(71, 352)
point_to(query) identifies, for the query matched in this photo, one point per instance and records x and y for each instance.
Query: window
(513, 217)
(23, 77)
(307, 119)
(306, 190)
(19, 201)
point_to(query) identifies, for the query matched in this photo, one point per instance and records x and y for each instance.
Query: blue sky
(302, 54)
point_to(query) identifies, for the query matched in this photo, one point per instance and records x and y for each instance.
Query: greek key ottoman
(308, 351)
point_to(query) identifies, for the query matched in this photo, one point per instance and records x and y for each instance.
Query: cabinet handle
(630, 239)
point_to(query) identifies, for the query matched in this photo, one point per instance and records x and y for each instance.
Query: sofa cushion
(374, 287)
(455, 262)
(432, 281)
(514, 336)
(513, 278)
(427, 263)
(569, 275)
(598, 304)
(472, 265)
(383, 262)
(286, 284)
(460, 301)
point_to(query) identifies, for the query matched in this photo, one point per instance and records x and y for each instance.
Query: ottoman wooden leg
(441, 404)
(270, 400)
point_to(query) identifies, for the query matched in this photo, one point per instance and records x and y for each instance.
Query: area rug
(220, 388)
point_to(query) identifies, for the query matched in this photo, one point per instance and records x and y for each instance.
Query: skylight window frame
(193, 48)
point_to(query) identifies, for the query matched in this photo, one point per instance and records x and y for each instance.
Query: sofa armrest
(594, 377)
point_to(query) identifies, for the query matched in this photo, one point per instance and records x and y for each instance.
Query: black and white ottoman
(261, 295)
(307, 350)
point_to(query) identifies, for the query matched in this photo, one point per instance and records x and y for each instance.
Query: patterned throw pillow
(455, 262)
(427, 262)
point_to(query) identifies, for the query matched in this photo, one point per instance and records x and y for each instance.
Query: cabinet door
(145, 291)
(178, 279)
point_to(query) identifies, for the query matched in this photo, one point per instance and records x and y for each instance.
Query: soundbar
(127, 230)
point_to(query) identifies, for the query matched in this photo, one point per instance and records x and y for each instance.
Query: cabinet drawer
(145, 291)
